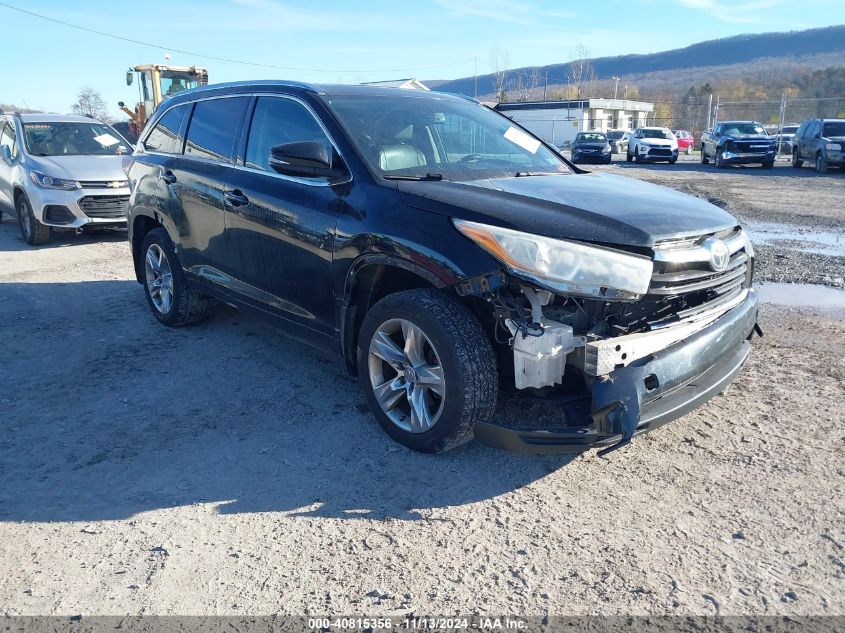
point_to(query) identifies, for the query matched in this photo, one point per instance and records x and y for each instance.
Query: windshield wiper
(522, 174)
(426, 177)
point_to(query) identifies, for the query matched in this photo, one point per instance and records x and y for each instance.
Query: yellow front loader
(156, 82)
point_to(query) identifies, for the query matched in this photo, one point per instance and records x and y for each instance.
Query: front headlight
(834, 147)
(563, 266)
(49, 182)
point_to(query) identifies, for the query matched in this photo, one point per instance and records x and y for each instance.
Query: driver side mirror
(130, 77)
(6, 154)
(307, 159)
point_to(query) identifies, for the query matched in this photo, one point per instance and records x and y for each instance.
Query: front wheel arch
(369, 280)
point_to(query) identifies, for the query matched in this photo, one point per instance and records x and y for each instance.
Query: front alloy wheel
(406, 376)
(427, 369)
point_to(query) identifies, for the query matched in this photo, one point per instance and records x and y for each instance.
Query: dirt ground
(225, 469)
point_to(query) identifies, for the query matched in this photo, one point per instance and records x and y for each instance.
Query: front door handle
(236, 198)
(168, 176)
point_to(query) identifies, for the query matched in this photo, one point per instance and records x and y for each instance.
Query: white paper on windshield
(106, 140)
(518, 137)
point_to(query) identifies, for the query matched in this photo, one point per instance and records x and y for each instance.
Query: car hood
(659, 141)
(749, 137)
(80, 167)
(589, 146)
(591, 207)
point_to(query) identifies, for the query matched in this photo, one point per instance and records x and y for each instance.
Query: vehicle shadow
(13, 241)
(106, 414)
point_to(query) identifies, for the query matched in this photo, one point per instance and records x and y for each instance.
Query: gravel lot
(225, 469)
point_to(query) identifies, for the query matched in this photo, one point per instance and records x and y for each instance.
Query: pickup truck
(738, 143)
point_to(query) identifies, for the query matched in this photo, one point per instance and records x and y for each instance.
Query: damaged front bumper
(655, 388)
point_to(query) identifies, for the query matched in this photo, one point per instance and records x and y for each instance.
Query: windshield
(790, 129)
(615, 136)
(744, 128)
(60, 138)
(834, 128)
(173, 81)
(419, 134)
(658, 134)
(590, 137)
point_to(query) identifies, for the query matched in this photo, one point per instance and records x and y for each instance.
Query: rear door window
(276, 121)
(214, 127)
(165, 136)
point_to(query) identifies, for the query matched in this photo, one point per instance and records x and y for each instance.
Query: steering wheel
(471, 158)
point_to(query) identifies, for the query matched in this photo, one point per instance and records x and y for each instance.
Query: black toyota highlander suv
(447, 254)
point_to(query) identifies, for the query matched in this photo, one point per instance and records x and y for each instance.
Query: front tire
(720, 163)
(796, 162)
(821, 164)
(704, 159)
(34, 233)
(628, 156)
(769, 164)
(427, 369)
(171, 299)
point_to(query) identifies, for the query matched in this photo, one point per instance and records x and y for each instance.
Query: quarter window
(277, 121)
(214, 126)
(165, 136)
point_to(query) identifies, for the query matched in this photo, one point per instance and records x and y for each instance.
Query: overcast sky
(344, 41)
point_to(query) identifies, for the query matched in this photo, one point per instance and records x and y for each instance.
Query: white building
(559, 121)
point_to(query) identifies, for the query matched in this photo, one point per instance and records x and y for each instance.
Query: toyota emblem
(719, 254)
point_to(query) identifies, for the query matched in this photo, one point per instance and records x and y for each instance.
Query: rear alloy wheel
(33, 232)
(171, 299)
(427, 369)
(821, 164)
(796, 162)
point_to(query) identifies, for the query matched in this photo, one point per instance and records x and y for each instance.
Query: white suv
(650, 144)
(62, 171)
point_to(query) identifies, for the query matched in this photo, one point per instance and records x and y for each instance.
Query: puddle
(810, 295)
(805, 238)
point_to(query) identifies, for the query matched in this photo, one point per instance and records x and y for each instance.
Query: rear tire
(433, 334)
(171, 299)
(796, 162)
(34, 233)
(821, 164)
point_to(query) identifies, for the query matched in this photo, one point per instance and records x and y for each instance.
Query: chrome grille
(103, 184)
(684, 281)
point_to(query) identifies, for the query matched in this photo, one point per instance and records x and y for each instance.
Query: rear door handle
(168, 176)
(236, 198)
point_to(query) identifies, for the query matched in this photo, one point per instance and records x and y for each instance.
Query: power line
(223, 59)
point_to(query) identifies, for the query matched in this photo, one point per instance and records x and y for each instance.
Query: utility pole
(709, 109)
(546, 87)
(615, 86)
